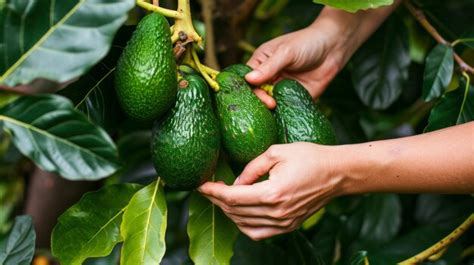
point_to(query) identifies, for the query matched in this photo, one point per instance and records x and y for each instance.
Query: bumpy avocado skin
(247, 126)
(145, 77)
(298, 118)
(185, 144)
(240, 69)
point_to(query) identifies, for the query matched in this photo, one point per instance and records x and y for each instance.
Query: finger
(257, 168)
(268, 69)
(234, 195)
(265, 98)
(259, 233)
(260, 221)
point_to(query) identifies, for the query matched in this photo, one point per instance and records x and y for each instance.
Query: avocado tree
(77, 99)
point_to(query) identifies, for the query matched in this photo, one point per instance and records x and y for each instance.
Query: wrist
(358, 167)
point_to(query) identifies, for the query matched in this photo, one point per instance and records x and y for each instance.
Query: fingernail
(253, 75)
(237, 180)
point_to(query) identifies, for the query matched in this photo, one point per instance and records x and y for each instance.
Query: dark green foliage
(146, 71)
(298, 117)
(185, 145)
(247, 126)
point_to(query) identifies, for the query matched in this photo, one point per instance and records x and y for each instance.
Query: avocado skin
(298, 118)
(240, 69)
(247, 126)
(185, 144)
(145, 77)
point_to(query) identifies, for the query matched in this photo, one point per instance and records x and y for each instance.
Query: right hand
(311, 56)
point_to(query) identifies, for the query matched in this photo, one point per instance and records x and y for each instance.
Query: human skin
(303, 177)
(314, 55)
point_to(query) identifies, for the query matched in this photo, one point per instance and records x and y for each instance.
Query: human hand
(311, 56)
(301, 181)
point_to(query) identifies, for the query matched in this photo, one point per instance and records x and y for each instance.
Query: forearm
(350, 30)
(441, 162)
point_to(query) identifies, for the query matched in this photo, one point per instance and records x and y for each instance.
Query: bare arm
(303, 177)
(440, 161)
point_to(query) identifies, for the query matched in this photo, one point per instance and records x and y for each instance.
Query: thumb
(268, 69)
(256, 168)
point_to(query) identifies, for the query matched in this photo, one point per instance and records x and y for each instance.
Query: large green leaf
(377, 219)
(301, 251)
(438, 71)
(19, 246)
(144, 226)
(445, 211)
(360, 258)
(249, 252)
(59, 139)
(211, 233)
(382, 217)
(380, 67)
(91, 227)
(354, 5)
(56, 40)
(454, 107)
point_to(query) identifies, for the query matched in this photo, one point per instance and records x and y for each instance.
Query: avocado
(298, 118)
(145, 77)
(247, 126)
(240, 69)
(185, 144)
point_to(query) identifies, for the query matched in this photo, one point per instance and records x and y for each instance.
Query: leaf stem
(157, 9)
(442, 244)
(466, 91)
(420, 16)
(203, 72)
(456, 42)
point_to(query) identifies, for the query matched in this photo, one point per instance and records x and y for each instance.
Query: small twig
(246, 46)
(164, 11)
(203, 72)
(420, 16)
(442, 244)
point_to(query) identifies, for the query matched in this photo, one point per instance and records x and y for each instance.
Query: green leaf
(249, 252)
(359, 258)
(144, 226)
(48, 130)
(56, 40)
(91, 227)
(438, 71)
(19, 246)
(301, 251)
(376, 220)
(382, 217)
(354, 5)
(445, 211)
(379, 68)
(211, 233)
(454, 107)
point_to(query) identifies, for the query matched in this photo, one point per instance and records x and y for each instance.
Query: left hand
(301, 181)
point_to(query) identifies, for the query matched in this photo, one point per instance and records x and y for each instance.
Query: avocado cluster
(191, 127)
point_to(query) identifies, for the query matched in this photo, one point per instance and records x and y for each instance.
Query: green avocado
(145, 77)
(185, 144)
(247, 126)
(298, 118)
(240, 69)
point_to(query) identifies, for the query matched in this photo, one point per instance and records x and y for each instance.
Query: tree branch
(210, 49)
(420, 16)
(442, 244)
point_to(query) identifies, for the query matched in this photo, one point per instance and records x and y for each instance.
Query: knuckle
(231, 201)
(273, 151)
(274, 197)
(279, 214)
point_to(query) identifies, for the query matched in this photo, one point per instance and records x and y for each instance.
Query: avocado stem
(184, 23)
(182, 17)
(203, 72)
(158, 9)
(267, 88)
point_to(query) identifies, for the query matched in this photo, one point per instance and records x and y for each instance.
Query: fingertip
(253, 77)
(265, 98)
